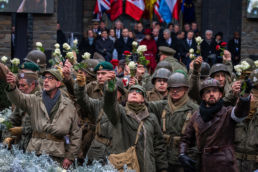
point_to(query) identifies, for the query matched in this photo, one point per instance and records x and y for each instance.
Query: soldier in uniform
(21, 129)
(150, 147)
(221, 73)
(167, 54)
(53, 117)
(212, 129)
(106, 138)
(159, 80)
(246, 140)
(173, 115)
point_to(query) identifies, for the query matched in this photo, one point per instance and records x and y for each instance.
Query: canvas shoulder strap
(163, 117)
(98, 122)
(138, 132)
(188, 117)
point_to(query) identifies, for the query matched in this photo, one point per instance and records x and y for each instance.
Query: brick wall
(5, 36)
(44, 29)
(249, 35)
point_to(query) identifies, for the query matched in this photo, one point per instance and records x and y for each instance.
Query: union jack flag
(102, 6)
(156, 11)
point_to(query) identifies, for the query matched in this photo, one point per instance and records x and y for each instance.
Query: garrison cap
(166, 51)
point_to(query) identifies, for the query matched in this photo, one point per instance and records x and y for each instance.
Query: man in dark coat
(212, 129)
(234, 46)
(207, 45)
(104, 46)
(124, 43)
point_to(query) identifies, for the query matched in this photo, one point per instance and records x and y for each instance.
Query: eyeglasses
(50, 78)
(136, 90)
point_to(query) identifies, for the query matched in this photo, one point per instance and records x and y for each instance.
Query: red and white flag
(156, 11)
(134, 8)
(116, 9)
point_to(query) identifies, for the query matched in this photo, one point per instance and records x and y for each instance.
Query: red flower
(223, 44)
(127, 53)
(125, 80)
(114, 62)
(217, 47)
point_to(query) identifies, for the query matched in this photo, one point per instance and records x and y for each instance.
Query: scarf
(48, 102)
(253, 104)
(136, 107)
(178, 104)
(207, 113)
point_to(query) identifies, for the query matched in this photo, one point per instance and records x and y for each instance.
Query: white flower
(86, 55)
(135, 43)
(38, 44)
(69, 55)
(198, 40)
(245, 65)
(57, 46)
(4, 59)
(191, 56)
(66, 46)
(75, 42)
(2, 120)
(142, 48)
(256, 63)
(238, 69)
(15, 61)
(57, 51)
(191, 51)
(239, 73)
(132, 65)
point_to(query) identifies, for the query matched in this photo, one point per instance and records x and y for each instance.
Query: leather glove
(187, 162)
(15, 131)
(246, 86)
(8, 141)
(81, 79)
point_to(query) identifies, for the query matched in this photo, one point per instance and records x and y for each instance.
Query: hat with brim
(28, 75)
(55, 73)
(166, 51)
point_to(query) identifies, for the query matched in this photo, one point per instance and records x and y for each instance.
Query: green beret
(30, 66)
(55, 73)
(166, 51)
(104, 65)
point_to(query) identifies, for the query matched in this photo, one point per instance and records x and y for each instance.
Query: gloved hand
(8, 141)
(81, 79)
(187, 162)
(15, 131)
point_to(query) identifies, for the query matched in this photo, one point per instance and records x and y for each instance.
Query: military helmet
(219, 67)
(250, 62)
(164, 64)
(205, 69)
(90, 65)
(254, 77)
(138, 87)
(178, 80)
(210, 82)
(160, 73)
(36, 56)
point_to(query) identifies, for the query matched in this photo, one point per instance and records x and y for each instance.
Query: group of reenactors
(204, 119)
